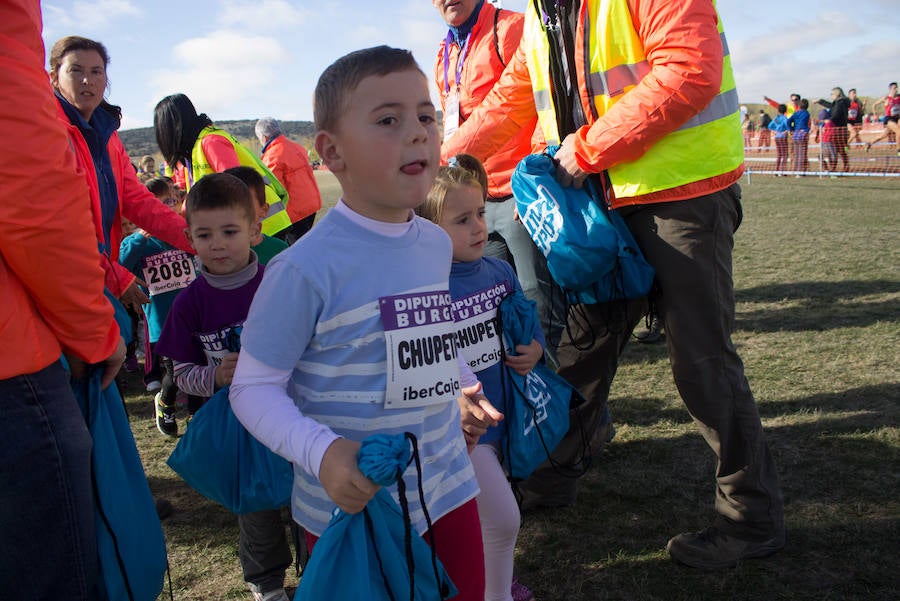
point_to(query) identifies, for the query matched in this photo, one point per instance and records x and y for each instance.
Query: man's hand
(225, 370)
(527, 357)
(341, 478)
(477, 414)
(134, 297)
(110, 365)
(568, 173)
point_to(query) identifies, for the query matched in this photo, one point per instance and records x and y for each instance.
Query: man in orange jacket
(51, 303)
(480, 41)
(289, 162)
(643, 90)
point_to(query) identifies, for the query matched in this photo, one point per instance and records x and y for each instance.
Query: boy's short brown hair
(343, 75)
(253, 180)
(219, 191)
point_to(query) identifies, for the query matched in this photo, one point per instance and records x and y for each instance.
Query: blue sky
(244, 59)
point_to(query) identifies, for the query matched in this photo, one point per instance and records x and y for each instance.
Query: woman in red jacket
(78, 74)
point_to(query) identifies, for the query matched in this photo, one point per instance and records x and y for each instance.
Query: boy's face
(222, 238)
(385, 149)
(463, 219)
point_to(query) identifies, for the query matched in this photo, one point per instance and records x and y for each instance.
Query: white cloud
(261, 16)
(221, 70)
(86, 17)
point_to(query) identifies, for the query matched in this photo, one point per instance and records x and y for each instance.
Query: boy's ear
(255, 228)
(187, 234)
(329, 151)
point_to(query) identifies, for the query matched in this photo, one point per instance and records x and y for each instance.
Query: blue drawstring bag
(590, 251)
(375, 555)
(130, 540)
(537, 412)
(222, 461)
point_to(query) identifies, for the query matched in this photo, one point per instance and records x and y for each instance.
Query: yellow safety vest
(709, 144)
(276, 196)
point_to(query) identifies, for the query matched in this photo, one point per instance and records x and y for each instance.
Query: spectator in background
(825, 136)
(891, 104)
(838, 115)
(193, 141)
(51, 303)
(147, 168)
(289, 162)
(855, 113)
(747, 128)
(792, 106)
(800, 124)
(765, 136)
(782, 128)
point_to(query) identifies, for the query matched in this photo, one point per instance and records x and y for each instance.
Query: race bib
(478, 333)
(422, 367)
(451, 114)
(895, 109)
(851, 114)
(169, 270)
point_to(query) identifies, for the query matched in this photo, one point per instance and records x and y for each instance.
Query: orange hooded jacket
(482, 68)
(289, 162)
(51, 286)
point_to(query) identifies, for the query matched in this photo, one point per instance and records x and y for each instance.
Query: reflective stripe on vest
(277, 218)
(707, 145)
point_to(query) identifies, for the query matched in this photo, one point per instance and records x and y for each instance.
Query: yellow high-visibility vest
(276, 196)
(708, 145)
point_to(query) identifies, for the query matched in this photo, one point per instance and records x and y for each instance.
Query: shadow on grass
(823, 305)
(834, 455)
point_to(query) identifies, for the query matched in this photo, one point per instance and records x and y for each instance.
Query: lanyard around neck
(459, 61)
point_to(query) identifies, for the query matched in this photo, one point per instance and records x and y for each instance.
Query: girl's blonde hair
(462, 170)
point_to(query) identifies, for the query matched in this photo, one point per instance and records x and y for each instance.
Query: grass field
(817, 277)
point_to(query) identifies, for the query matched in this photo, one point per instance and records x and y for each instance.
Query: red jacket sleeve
(684, 50)
(219, 151)
(143, 209)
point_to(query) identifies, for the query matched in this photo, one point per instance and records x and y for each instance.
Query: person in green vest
(265, 247)
(641, 95)
(202, 148)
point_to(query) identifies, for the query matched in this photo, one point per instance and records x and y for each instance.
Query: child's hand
(527, 357)
(225, 370)
(477, 414)
(341, 478)
(134, 298)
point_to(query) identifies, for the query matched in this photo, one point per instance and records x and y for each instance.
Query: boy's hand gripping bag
(375, 555)
(222, 461)
(537, 414)
(130, 541)
(589, 248)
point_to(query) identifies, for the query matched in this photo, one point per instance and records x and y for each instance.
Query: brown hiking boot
(711, 549)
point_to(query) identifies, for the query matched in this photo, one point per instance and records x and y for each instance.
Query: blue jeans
(47, 542)
(531, 268)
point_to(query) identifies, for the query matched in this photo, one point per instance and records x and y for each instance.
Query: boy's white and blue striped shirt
(317, 313)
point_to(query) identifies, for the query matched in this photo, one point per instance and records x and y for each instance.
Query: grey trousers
(689, 243)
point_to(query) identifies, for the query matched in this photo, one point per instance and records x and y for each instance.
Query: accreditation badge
(478, 330)
(169, 270)
(451, 114)
(419, 332)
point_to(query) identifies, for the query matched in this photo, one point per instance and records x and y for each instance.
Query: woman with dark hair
(78, 74)
(195, 142)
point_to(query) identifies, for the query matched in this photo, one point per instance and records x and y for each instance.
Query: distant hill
(142, 140)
